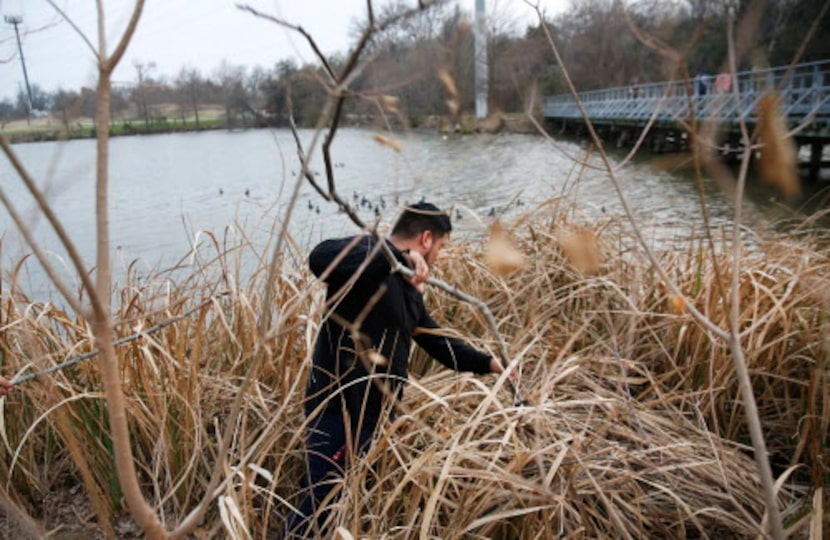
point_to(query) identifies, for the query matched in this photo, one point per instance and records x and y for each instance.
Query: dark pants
(326, 458)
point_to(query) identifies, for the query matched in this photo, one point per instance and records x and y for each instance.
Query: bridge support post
(623, 138)
(658, 141)
(816, 151)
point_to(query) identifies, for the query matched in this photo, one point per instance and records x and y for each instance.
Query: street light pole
(15, 20)
(480, 53)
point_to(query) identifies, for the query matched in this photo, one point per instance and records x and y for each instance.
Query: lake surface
(166, 190)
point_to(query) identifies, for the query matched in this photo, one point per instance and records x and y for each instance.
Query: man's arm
(450, 351)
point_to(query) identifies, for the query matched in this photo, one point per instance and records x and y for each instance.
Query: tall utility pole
(15, 20)
(480, 52)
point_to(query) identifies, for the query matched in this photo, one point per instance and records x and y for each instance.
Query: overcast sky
(177, 33)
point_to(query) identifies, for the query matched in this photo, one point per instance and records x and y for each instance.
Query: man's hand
(5, 386)
(498, 368)
(421, 269)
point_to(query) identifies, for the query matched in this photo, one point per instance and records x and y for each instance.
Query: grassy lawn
(52, 128)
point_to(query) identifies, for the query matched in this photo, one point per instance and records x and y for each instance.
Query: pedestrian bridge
(804, 92)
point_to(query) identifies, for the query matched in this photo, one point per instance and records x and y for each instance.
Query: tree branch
(113, 60)
(296, 28)
(52, 218)
(699, 317)
(739, 361)
(75, 27)
(350, 70)
(41, 257)
(102, 325)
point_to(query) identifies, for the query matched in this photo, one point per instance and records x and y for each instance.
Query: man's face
(434, 244)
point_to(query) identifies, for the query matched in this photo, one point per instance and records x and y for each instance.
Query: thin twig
(698, 316)
(731, 337)
(741, 370)
(296, 28)
(74, 26)
(679, 60)
(504, 355)
(59, 229)
(40, 255)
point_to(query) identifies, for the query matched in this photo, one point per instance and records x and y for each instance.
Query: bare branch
(52, 218)
(75, 27)
(116, 55)
(296, 28)
(700, 317)
(350, 71)
(102, 325)
(305, 171)
(739, 361)
(41, 257)
(678, 59)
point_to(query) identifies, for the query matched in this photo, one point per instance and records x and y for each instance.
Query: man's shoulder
(353, 246)
(353, 240)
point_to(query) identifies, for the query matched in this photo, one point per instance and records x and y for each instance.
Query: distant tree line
(416, 60)
(600, 47)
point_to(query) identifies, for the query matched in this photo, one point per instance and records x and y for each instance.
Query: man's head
(423, 227)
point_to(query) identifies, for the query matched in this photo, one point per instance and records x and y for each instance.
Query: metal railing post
(816, 86)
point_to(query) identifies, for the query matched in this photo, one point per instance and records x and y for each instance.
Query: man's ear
(426, 240)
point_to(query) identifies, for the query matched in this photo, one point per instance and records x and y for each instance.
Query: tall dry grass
(180, 383)
(621, 309)
(632, 429)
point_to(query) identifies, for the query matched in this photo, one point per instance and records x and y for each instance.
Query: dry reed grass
(586, 460)
(500, 253)
(633, 427)
(779, 156)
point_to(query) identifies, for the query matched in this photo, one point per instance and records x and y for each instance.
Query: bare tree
(66, 105)
(406, 32)
(142, 72)
(98, 312)
(275, 91)
(188, 85)
(231, 81)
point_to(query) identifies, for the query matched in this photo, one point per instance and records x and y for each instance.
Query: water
(167, 190)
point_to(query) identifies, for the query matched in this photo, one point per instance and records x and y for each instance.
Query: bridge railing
(804, 90)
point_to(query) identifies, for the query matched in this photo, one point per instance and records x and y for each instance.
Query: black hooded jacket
(354, 269)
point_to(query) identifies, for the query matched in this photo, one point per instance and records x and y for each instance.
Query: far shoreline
(52, 131)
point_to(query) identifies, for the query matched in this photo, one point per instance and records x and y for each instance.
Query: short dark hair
(419, 217)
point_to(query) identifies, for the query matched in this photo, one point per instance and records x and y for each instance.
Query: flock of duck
(377, 206)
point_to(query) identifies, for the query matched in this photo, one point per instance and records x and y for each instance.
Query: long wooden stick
(128, 339)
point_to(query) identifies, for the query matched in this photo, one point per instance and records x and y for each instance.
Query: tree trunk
(102, 325)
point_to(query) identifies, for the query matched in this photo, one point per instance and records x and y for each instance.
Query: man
(361, 357)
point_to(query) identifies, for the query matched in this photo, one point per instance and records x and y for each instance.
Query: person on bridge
(702, 83)
(723, 83)
(361, 357)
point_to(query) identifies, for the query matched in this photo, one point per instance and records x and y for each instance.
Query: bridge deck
(804, 91)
